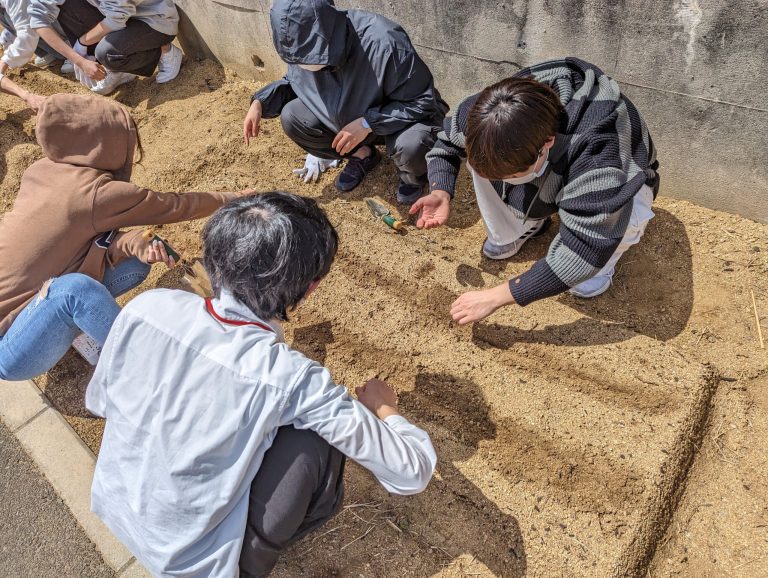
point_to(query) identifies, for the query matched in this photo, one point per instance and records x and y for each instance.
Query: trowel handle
(392, 222)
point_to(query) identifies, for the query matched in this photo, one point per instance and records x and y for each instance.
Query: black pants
(135, 48)
(298, 488)
(407, 147)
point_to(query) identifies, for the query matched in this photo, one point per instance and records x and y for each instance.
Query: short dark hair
(508, 124)
(267, 249)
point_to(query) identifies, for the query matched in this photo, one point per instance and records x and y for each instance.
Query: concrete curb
(66, 462)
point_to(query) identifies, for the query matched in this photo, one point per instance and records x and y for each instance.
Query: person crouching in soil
(222, 444)
(558, 137)
(354, 81)
(112, 41)
(64, 258)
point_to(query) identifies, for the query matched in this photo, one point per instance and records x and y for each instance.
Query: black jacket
(372, 68)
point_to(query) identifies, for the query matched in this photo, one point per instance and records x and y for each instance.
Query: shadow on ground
(652, 295)
(453, 511)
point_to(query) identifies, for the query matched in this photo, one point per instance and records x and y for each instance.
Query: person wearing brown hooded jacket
(63, 256)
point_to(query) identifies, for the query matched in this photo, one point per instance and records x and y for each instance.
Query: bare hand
(93, 69)
(350, 136)
(378, 397)
(476, 305)
(252, 122)
(247, 192)
(435, 208)
(34, 101)
(156, 253)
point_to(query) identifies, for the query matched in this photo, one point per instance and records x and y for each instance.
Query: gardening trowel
(381, 212)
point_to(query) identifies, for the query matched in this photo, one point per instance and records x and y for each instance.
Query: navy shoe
(355, 170)
(409, 194)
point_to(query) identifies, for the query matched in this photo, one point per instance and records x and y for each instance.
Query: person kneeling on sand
(18, 40)
(558, 137)
(64, 259)
(222, 444)
(354, 81)
(113, 41)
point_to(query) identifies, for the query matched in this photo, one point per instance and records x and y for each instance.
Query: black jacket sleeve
(410, 95)
(274, 97)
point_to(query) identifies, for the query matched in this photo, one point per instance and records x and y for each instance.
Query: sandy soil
(509, 499)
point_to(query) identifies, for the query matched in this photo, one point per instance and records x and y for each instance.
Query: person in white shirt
(222, 444)
(112, 41)
(18, 40)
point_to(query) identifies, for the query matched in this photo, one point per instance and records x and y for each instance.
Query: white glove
(83, 78)
(80, 49)
(313, 166)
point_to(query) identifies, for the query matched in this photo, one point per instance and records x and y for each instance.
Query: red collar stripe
(235, 322)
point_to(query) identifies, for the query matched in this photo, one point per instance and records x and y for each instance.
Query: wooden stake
(757, 320)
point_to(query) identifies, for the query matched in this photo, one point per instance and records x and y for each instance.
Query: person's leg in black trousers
(297, 489)
(306, 130)
(134, 49)
(408, 149)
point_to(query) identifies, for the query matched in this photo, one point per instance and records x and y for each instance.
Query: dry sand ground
(564, 429)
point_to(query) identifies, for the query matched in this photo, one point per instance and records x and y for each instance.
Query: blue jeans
(75, 303)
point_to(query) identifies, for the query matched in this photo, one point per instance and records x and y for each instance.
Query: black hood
(309, 31)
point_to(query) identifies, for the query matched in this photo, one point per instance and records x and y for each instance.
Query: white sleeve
(22, 48)
(43, 13)
(117, 12)
(398, 453)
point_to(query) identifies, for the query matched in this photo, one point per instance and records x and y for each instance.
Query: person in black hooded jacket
(354, 80)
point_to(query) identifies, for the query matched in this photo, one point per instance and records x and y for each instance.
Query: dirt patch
(562, 428)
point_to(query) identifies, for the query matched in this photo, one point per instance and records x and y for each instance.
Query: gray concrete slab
(38, 535)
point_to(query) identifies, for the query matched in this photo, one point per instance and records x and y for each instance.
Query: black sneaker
(408, 194)
(355, 170)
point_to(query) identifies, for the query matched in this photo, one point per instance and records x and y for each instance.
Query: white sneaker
(169, 65)
(593, 287)
(44, 61)
(67, 67)
(112, 81)
(6, 39)
(493, 251)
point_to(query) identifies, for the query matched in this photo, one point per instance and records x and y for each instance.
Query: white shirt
(192, 405)
(23, 47)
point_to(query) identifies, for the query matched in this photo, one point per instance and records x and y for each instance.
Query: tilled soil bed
(565, 430)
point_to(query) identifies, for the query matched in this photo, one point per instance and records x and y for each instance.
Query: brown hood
(87, 131)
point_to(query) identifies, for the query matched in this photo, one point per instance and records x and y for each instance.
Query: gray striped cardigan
(602, 155)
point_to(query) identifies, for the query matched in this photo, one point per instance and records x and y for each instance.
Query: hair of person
(509, 124)
(267, 249)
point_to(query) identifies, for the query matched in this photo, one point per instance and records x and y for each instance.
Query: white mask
(530, 176)
(312, 67)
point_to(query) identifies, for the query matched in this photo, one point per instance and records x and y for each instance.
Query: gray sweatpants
(298, 488)
(407, 148)
(135, 48)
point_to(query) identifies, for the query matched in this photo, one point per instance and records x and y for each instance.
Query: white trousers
(504, 226)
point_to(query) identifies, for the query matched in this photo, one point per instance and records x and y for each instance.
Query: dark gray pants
(407, 148)
(135, 48)
(297, 489)
(42, 49)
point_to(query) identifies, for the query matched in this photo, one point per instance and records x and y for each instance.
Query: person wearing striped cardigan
(557, 137)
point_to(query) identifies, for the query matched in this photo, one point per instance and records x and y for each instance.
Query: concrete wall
(697, 69)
